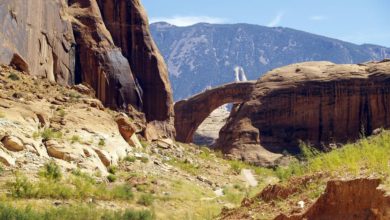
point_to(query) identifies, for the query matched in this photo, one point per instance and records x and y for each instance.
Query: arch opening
(190, 113)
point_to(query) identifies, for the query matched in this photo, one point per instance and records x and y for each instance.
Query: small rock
(204, 180)
(83, 89)
(55, 102)
(219, 192)
(17, 95)
(301, 204)
(94, 103)
(43, 120)
(60, 99)
(57, 203)
(377, 131)
(5, 105)
(165, 143)
(104, 157)
(6, 159)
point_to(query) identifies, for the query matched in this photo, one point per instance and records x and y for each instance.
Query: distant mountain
(205, 55)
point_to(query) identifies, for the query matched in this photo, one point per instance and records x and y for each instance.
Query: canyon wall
(35, 38)
(128, 23)
(103, 43)
(319, 103)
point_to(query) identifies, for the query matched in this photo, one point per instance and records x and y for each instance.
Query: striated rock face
(344, 200)
(190, 113)
(127, 21)
(100, 63)
(105, 44)
(35, 37)
(318, 102)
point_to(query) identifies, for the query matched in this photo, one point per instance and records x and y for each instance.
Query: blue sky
(356, 21)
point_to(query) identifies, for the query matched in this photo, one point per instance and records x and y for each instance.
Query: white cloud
(318, 18)
(276, 21)
(188, 20)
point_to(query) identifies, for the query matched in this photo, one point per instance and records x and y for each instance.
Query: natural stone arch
(191, 112)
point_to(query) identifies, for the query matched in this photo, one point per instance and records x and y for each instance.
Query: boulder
(13, 143)
(61, 151)
(125, 126)
(84, 89)
(104, 156)
(165, 143)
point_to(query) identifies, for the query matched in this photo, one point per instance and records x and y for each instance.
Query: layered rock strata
(105, 44)
(319, 103)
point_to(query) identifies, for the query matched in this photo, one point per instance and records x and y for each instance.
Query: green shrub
(76, 212)
(123, 192)
(75, 139)
(137, 215)
(51, 171)
(146, 199)
(61, 113)
(111, 178)
(130, 159)
(307, 151)
(112, 169)
(102, 142)
(236, 166)
(233, 195)
(187, 167)
(48, 134)
(144, 159)
(144, 144)
(14, 77)
(21, 187)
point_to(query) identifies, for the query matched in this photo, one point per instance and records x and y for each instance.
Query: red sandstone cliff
(105, 44)
(320, 103)
(35, 37)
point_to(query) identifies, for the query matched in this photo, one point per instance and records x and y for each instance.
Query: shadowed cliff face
(105, 44)
(100, 63)
(127, 21)
(319, 103)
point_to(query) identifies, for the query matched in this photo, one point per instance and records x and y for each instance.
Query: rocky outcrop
(73, 131)
(127, 21)
(35, 37)
(348, 200)
(190, 113)
(320, 103)
(99, 62)
(105, 44)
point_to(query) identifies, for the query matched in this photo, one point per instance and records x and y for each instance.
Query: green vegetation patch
(76, 212)
(48, 134)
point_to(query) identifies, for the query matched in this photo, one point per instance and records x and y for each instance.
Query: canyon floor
(63, 157)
